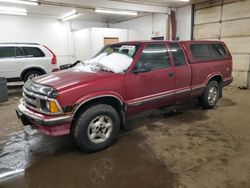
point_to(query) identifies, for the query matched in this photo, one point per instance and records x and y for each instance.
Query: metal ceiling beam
(91, 4)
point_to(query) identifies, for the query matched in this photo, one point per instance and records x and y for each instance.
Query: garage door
(229, 21)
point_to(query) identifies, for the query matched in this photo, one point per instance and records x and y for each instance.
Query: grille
(31, 100)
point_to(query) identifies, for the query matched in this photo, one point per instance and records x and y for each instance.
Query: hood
(70, 77)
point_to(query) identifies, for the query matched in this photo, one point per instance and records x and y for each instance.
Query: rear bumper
(50, 125)
(227, 81)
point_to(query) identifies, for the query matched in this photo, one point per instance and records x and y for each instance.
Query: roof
(166, 41)
(18, 43)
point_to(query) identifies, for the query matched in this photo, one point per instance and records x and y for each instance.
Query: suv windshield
(113, 58)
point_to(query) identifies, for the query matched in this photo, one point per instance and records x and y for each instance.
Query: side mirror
(145, 67)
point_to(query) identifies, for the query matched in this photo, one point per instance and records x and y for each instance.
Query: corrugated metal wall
(229, 21)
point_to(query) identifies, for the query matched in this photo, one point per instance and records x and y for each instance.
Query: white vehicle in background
(23, 61)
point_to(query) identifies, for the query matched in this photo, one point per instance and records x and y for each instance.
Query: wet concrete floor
(178, 146)
(57, 162)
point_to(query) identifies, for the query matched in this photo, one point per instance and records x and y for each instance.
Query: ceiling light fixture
(69, 16)
(29, 2)
(121, 12)
(13, 11)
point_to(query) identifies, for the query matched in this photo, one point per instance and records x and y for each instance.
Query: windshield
(114, 58)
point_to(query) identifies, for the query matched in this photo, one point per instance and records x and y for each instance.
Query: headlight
(49, 106)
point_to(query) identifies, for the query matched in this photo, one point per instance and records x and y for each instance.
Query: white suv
(23, 61)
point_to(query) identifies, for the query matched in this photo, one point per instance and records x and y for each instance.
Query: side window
(178, 55)
(156, 55)
(19, 52)
(33, 52)
(207, 51)
(200, 51)
(7, 52)
(217, 50)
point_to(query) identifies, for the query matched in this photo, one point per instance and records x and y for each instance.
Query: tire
(211, 95)
(91, 132)
(31, 74)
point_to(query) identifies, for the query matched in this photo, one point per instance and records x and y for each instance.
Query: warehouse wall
(98, 34)
(58, 36)
(184, 22)
(82, 41)
(228, 21)
(52, 33)
(78, 25)
(68, 45)
(148, 26)
(89, 41)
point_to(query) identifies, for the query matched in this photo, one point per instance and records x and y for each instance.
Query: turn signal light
(53, 107)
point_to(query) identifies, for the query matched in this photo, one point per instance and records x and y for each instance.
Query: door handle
(171, 74)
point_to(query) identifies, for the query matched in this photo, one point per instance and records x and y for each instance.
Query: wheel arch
(216, 77)
(112, 100)
(31, 69)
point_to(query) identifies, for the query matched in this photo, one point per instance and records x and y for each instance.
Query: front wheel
(211, 95)
(96, 128)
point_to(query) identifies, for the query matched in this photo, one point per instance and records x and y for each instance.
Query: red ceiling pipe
(173, 24)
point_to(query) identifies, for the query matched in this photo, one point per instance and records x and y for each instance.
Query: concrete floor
(179, 146)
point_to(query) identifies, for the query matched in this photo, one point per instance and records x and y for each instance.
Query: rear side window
(217, 50)
(7, 52)
(208, 51)
(178, 55)
(33, 52)
(19, 52)
(156, 55)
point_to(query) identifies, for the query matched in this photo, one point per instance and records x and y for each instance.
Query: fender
(210, 76)
(199, 89)
(96, 95)
(213, 75)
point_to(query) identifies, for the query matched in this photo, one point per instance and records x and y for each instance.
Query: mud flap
(220, 91)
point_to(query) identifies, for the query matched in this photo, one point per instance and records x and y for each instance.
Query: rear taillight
(53, 61)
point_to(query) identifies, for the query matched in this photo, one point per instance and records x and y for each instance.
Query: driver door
(151, 87)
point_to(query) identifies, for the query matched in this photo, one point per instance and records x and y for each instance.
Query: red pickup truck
(91, 100)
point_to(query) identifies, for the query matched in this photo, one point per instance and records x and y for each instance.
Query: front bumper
(50, 125)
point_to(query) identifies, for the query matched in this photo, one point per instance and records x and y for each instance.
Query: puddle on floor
(57, 162)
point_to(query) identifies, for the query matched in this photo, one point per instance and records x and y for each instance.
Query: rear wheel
(96, 128)
(31, 75)
(211, 95)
